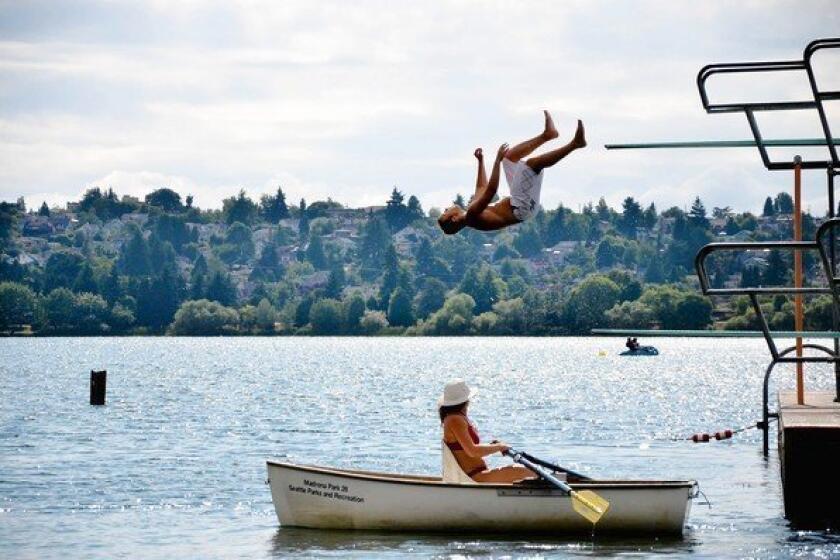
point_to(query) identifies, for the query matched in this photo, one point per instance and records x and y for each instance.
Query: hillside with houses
(110, 264)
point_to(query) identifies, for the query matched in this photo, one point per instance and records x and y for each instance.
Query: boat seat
(452, 471)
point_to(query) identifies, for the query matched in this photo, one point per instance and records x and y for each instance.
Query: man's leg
(523, 149)
(540, 162)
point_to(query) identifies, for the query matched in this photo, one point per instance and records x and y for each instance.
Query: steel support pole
(832, 255)
(797, 274)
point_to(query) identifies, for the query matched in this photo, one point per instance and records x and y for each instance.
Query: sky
(350, 99)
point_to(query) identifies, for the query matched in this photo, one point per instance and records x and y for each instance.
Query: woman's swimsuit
(456, 446)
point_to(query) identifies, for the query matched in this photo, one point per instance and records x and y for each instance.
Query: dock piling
(98, 381)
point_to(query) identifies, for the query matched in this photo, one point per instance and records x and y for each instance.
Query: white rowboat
(328, 498)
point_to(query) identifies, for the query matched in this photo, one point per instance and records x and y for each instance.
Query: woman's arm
(483, 199)
(459, 428)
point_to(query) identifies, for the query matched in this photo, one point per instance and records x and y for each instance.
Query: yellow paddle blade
(590, 505)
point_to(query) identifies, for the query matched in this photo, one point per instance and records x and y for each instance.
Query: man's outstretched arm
(482, 199)
(481, 176)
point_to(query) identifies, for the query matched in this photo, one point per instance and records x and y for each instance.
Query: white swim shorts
(524, 187)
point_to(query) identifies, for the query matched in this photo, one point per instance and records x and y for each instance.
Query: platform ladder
(825, 234)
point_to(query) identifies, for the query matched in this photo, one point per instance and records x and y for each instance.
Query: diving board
(682, 333)
(693, 144)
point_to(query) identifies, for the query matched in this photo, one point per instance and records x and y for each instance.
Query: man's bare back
(524, 179)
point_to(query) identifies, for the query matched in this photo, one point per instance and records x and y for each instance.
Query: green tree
(768, 208)
(588, 302)
(400, 309)
(60, 309)
(62, 269)
(482, 286)
(390, 277)
(630, 315)
(266, 315)
(326, 317)
(221, 289)
(609, 252)
(204, 318)
(631, 217)
(650, 217)
(454, 318)
(528, 241)
(166, 199)
(431, 297)
(17, 305)
(396, 212)
(414, 210)
(9, 216)
(372, 322)
(336, 281)
(274, 207)
(44, 210)
(198, 278)
(374, 245)
(354, 310)
(90, 313)
(693, 312)
(512, 317)
(697, 214)
(85, 281)
(134, 255)
(239, 237)
(111, 287)
(783, 203)
(315, 253)
(239, 208)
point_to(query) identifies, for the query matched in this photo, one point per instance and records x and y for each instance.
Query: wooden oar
(552, 466)
(585, 502)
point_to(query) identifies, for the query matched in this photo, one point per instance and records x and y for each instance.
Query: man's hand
(503, 149)
(479, 155)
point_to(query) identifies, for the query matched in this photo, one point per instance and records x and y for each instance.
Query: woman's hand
(502, 447)
(479, 155)
(500, 155)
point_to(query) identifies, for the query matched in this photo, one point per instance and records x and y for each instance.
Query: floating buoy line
(704, 437)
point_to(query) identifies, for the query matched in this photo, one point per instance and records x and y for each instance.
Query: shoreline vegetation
(120, 266)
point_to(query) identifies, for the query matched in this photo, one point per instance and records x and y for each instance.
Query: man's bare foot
(550, 131)
(579, 140)
(479, 155)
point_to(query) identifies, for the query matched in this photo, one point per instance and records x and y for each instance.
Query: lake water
(174, 465)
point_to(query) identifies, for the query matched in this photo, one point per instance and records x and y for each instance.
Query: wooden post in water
(797, 274)
(97, 386)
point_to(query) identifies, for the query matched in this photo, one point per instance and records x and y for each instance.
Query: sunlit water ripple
(174, 465)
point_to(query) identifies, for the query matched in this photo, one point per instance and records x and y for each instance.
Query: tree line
(622, 268)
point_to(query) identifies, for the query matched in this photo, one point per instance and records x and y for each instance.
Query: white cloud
(349, 99)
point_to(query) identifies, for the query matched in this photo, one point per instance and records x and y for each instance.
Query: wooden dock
(809, 452)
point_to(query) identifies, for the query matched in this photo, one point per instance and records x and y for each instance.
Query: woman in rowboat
(461, 437)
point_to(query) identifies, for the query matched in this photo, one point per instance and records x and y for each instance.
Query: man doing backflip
(523, 177)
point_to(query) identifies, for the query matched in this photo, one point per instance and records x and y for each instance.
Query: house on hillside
(557, 254)
(138, 218)
(287, 254)
(315, 281)
(407, 239)
(37, 226)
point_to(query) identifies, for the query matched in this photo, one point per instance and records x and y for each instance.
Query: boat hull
(323, 498)
(642, 351)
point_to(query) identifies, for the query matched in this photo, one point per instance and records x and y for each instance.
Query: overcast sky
(348, 99)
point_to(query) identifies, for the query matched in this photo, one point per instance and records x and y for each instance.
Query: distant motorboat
(641, 351)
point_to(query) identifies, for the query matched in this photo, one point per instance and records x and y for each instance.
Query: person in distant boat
(461, 437)
(632, 344)
(524, 179)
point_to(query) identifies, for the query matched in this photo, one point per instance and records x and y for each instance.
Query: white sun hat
(456, 392)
